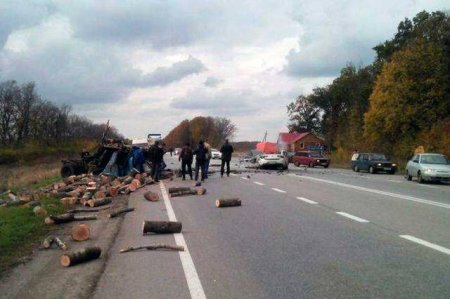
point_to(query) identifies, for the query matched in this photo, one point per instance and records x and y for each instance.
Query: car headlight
(393, 164)
(379, 164)
(318, 160)
(429, 170)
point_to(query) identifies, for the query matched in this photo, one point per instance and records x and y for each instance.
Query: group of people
(203, 156)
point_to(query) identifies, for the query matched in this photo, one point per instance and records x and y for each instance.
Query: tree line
(400, 101)
(26, 118)
(213, 130)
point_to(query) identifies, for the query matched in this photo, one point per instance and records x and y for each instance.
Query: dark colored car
(311, 159)
(373, 163)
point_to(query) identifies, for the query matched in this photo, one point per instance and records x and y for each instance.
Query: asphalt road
(314, 233)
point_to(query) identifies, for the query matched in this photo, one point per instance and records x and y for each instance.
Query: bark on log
(151, 196)
(153, 247)
(161, 227)
(178, 189)
(127, 180)
(48, 242)
(183, 193)
(131, 187)
(68, 217)
(119, 212)
(61, 244)
(80, 232)
(87, 254)
(87, 210)
(228, 202)
(99, 202)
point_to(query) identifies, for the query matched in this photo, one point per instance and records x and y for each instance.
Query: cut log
(39, 211)
(153, 247)
(69, 201)
(178, 189)
(48, 242)
(80, 232)
(99, 202)
(87, 254)
(91, 190)
(132, 187)
(119, 212)
(161, 227)
(228, 202)
(113, 191)
(151, 196)
(201, 191)
(61, 244)
(87, 210)
(99, 195)
(68, 217)
(183, 193)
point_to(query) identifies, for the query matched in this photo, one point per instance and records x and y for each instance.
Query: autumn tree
(303, 115)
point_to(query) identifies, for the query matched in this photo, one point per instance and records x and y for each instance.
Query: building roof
(289, 138)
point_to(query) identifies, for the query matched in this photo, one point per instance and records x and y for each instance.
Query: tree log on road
(151, 196)
(68, 217)
(228, 202)
(161, 227)
(99, 202)
(80, 232)
(178, 189)
(87, 254)
(119, 212)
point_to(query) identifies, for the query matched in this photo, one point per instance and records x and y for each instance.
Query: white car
(267, 160)
(428, 167)
(215, 154)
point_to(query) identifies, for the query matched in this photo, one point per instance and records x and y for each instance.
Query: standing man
(157, 159)
(227, 151)
(186, 157)
(200, 160)
(208, 158)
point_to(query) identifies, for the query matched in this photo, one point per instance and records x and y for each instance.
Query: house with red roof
(295, 142)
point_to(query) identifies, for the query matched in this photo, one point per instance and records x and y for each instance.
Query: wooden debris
(161, 227)
(87, 254)
(119, 212)
(151, 196)
(201, 191)
(68, 217)
(48, 242)
(80, 232)
(99, 195)
(153, 247)
(228, 202)
(178, 189)
(33, 203)
(99, 202)
(81, 210)
(184, 193)
(39, 211)
(61, 244)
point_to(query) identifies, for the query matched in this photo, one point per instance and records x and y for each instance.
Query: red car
(311, 159)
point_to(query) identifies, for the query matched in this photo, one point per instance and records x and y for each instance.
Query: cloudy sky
(147, 65)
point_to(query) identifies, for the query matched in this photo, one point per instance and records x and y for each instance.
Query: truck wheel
(67, 170)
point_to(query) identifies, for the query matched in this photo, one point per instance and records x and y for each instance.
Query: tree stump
(161, 227)
(228, 202)
(87, 254)
(80, 232)
(151, 196)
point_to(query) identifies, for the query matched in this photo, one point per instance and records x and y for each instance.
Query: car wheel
(408, 176)
(420, 178)
(356, 168)
(311, 164)
(325, 166)
(371, 170)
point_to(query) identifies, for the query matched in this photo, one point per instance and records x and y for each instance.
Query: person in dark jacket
(200, 159)
(138, 159)
(186, 157)
(157, 154)
(227, 151)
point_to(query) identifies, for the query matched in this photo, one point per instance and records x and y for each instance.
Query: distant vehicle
(177, 151)
(277, 160)
(428, 167)
(373, 163)
(152, 137)
(251, 156)
(310, 159)
(215, 154)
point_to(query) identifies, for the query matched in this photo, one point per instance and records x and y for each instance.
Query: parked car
(215, 154)
(310, 159)
(251, 156)
(373, 163)
(428, 167)
(275, 160)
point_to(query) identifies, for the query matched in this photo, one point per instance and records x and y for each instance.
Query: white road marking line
(244, 178)
(352, 217)
(426, 243)
(278, 190)
(396, 195)
(193, 281)
(259, 183)
(307, 200)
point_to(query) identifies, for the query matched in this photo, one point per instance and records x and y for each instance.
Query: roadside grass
(21, 230)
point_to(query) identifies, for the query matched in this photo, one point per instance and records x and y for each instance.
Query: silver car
(428, 167)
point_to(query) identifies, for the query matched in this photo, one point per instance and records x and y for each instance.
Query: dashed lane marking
(352, 217)
(307, 200)
(278, 190)
(193, 281)
(426, 243)
(259, 183)
(395, 195)
(244, 178)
